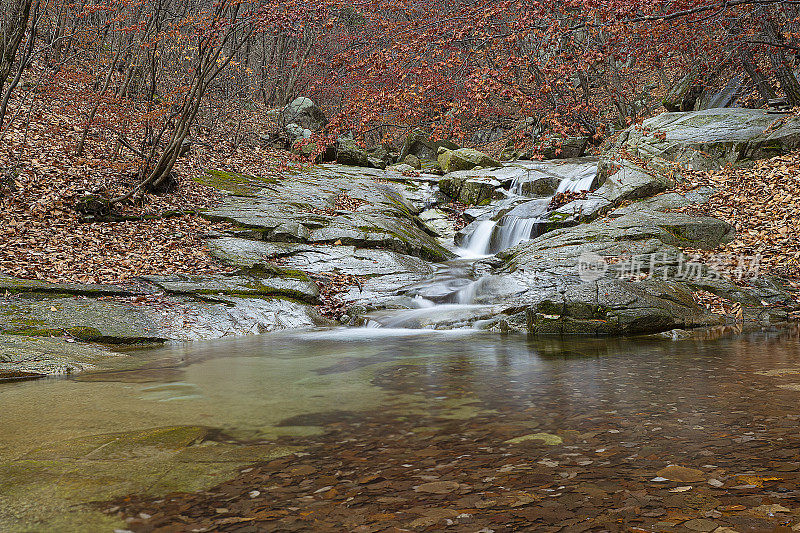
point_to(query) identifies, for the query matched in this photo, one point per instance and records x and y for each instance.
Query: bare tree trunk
(97, 104)
(22, 64)
(761, 82)
(208, 68)
(12, 30)
(783, 71)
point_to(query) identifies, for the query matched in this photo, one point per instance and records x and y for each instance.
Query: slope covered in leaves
(41, 236)
(763, 203)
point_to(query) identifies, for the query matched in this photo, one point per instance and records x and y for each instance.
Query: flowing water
(229, 403)
(450, 293)
(492, 236)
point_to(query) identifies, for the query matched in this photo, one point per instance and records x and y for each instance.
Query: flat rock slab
(49, 356)
(91, 320)
(14, 285)
(304, 209)
(316, 258)
(299, 287)
(710, 139)
(167, 318)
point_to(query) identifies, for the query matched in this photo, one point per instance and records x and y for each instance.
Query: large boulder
(304, 114)
(470, 190)
(713, 138)
(379, 157)
(349, 152)
(464, 159)
(420, 144)
(413, 161)
(561, 148)
(297, 131)
(540, 186)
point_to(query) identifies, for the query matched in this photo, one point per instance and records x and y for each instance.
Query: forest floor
(42, 237)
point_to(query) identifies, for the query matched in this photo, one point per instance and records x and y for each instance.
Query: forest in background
(99, 101)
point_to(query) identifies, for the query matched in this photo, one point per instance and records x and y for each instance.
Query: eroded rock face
(712, 138)
(383, 220)
(167, 308)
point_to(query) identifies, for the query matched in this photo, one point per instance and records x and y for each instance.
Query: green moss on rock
(240, 184)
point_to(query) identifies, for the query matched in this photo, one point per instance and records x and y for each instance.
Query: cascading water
(514, 230)
(478, 242)
(519, 224)
(450, 295)
(579, 185)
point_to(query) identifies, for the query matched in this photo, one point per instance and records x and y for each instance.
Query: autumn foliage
(152, 69)
(102, 99)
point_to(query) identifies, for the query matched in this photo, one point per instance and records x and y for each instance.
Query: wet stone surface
(697, 435)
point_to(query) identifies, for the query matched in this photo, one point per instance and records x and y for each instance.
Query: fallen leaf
(437, 487)
(546, 438)
(682, 474)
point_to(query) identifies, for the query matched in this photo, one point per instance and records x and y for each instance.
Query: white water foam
(476, 245)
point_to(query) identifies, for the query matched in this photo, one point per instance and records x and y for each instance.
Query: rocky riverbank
(378, 246)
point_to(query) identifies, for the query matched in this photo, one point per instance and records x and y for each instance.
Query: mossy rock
(240, 184)
(122, 444)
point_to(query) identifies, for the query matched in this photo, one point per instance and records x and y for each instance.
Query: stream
(396, 425)
(188, 417)
(520, 216)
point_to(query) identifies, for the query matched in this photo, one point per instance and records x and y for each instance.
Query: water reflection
(253, 390)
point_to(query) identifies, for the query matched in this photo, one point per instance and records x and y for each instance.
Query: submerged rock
(49, 356)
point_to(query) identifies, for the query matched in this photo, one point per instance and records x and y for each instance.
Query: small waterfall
(579, 185)
(477, 243)
(514, 231)
(519, 181)
(450, 296)
(521, 223)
